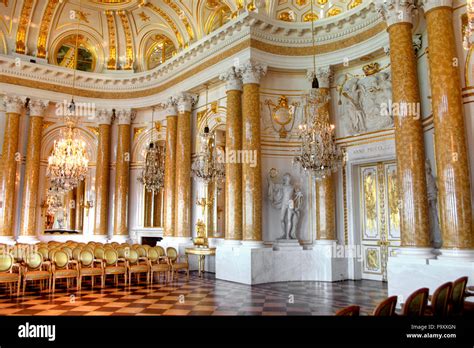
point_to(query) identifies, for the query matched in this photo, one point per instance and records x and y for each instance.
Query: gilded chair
(440, 301)
(160, 250)
(68, 251)
(351, 311)
(142, 254)
(76, 253)
(44, 252)
(177, 262)
(10, 272)
(90, 267)
(456, 305)
(64, 268)
(137, 265)
(114, 266)
(99, 253)
(51, 253)
(415, 304)
(158, 264)
(386, 308)
(34, 269)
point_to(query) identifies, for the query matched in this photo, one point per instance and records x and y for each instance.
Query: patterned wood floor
(199, 296)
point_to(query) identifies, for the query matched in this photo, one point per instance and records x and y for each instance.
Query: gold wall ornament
(372, 260)
(371, 69)
(47, 124)
(137, 131)
(283, 114)
(111, 26)
(82, 16)
(144, 17)
(44, 28)
(23, 25)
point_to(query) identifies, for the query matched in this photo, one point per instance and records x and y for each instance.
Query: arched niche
(62, 47)
(150, 40)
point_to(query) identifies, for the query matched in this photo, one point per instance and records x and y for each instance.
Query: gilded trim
(44, 28)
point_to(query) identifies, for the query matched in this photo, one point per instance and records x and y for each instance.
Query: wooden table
(201, 253)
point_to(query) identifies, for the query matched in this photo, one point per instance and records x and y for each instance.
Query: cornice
(249, 30)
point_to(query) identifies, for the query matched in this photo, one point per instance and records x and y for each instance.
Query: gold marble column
(102, 173)
(454, 190)
(122, 173)
(233, 179)
(29, 206)
(251, 172)
(414, 224)
(170, 168)
(8, 165)
(183, 167)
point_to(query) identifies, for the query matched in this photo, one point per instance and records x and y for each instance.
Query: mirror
(154, 208)
(65, 213)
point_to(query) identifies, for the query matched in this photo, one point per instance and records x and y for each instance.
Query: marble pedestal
(240, 264)
(407, 274)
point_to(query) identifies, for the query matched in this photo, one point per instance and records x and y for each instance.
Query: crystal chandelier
(320, 156)
(68, 163)
(470, 24)
(208, 165)
(153, 175)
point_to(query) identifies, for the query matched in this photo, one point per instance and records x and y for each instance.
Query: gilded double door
(379, 218)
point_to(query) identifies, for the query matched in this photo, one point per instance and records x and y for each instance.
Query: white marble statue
(365, 103)
(432, 189)
(286, 197)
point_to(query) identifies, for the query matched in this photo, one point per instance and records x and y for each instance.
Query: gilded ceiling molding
(14, 80)
(321, 48)
(112, 62)
(23, 25)
(183, 17)
(128, 40)
(168, 20)
(44, 28)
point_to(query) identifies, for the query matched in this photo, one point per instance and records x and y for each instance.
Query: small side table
(201, 253)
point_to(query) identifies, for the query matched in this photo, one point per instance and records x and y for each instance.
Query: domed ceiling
(132, 35)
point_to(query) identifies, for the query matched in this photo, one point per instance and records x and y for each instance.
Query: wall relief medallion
(364, 100)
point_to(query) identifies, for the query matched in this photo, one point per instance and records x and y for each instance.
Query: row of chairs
(447, 300)
(72, 261)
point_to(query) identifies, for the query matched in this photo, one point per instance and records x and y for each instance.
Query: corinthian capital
(233, 79)
(124, 116)
(324, 75)
(38, 107)
(186, 101)
(252, 71)
(171, 107)
(104, 116)
(428, 5)
(14, 104)
(396, 11)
